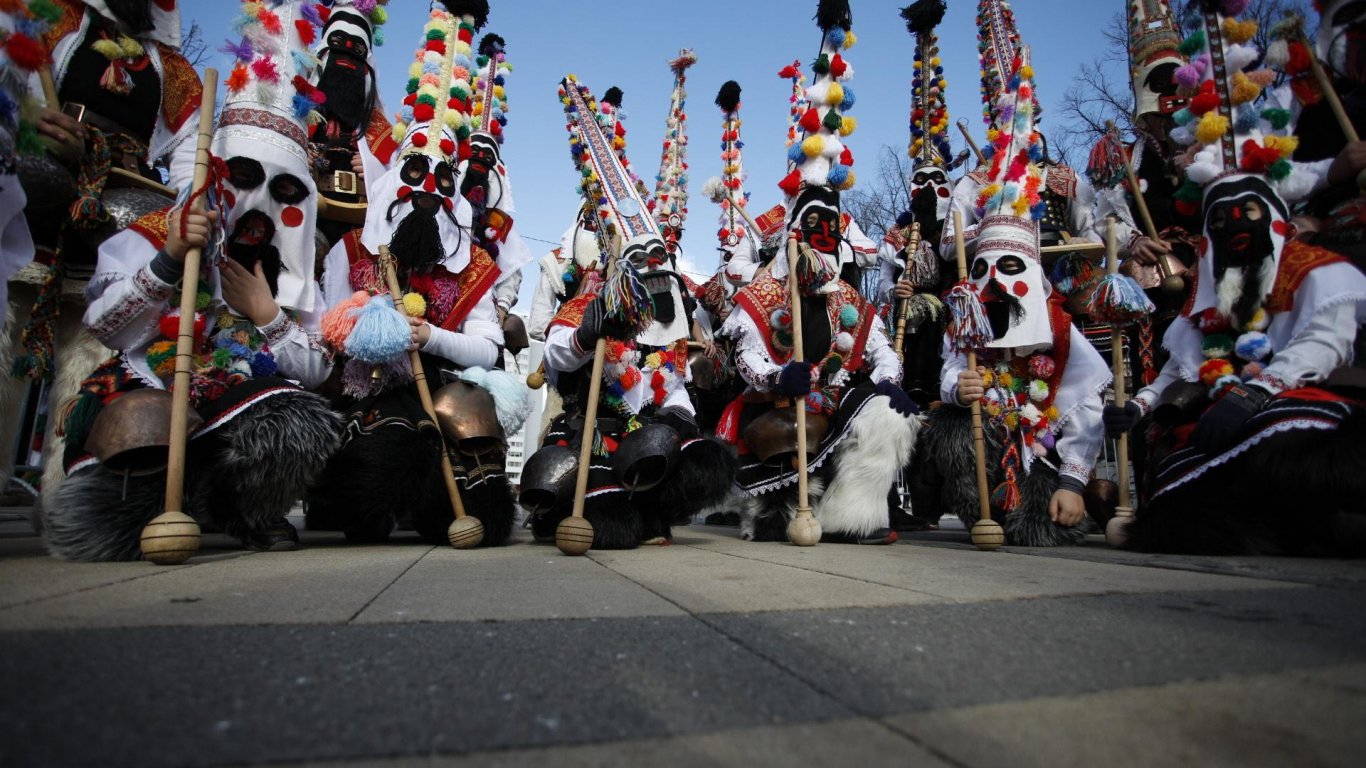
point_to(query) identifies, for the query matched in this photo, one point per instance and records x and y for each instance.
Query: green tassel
(1193, 44)
(832, 121)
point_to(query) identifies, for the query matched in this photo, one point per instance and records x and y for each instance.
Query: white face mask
(274, 205)
(931, 180)
(1004, 264)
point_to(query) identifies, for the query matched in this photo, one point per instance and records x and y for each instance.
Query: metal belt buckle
(344, 182)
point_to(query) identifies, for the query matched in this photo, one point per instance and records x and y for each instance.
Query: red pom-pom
(447, 147)
(270, 22)
(846, 157)
(811, 121)
(420, 140)
(424, 113)
(464, 152)
(620, 129)
(837, 66)
(26, 52)
(1206, 100)
(238, 79)
(788, 72)
(791, 184)
(1256, 158)
(306, 32)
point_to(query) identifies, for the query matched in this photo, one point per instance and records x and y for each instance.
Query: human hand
(794, 380)
(903, 289)
(195, 233)
(1147, 251)
(357, 165)
(63, 135)
(1349, 162)
(248, 292)
(1120, 420)
(971, 385)
(421, 333)
(1066, 508)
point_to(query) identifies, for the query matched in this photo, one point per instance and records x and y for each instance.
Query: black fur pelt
(1297, 493)
(616, 522)
(249, 472)
(490, 501)
(771, 512)
(91, 520)
(376, 480)
(704, 475)
(947, 441)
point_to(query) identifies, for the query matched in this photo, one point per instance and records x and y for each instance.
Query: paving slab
(313, 585)
(838, 743)
(1300, 718)
(964, 575)
(517, 582)
(212, 696)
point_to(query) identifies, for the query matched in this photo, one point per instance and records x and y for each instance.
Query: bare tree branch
(193, 46)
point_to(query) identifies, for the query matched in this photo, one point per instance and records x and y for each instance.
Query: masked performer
(388, 471)
(1257, 452)
(263, 438)
(651, 468)
(850, 381)
(1038, 379)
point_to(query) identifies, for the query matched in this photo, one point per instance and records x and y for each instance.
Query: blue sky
(628, 44)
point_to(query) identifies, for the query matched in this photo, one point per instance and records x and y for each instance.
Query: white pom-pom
(816, 94)
(1206, 165)
(833, 148)
(815, 171)
(1297, 185)
(714, 189)
(1239, 56)
(1182, 135)
(1277, 55)
(843, 342)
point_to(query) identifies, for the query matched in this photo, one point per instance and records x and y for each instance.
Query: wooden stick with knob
(1172, 284)
(963, 128)
(465, 531)
(987, 534)
(1116, 530)
(171, 537)
(804, 530)
(904, 306)
(49, 86)
(1330, 95)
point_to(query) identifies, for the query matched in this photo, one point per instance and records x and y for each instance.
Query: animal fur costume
(1042, 404)
(854, 375)
(264, 438)
(645, 371)
(388, 471)
(1265, 454)
(139, 111)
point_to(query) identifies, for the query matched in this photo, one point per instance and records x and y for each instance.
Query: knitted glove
(1120, 420)
(900, 401)
(794, 380)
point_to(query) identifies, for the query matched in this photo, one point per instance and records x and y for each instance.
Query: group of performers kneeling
(350, 318)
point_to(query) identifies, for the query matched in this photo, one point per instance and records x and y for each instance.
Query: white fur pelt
(879, 445)
(554, 406)
(78, 355)
(11, 394)
(765, 517)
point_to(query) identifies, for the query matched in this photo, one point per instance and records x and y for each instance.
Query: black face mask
(250, 244)
(1240, 238)
(348, 99)
(136, 15)
(417, 239)
(823, 234)
(1004, 309)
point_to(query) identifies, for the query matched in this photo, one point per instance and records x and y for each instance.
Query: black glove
(596, 324)
(794, 380)
(1222, 425)
(1120, 420)
(900, 401)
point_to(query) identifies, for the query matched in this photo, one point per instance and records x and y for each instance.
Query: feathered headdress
(490, 87)
(821, 159)
(929, 108)
(728, 189)
(1154, 55)
(1014, 149)
(274, 68)
(670, 203)
(998, 44)
(436, 116)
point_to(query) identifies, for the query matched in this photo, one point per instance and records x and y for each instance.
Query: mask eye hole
(445, 179)
(245, 173)
(1010, 265)
(414, 170)
(288, 189)
(979, 269)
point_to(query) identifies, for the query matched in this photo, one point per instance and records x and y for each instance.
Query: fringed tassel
(88, 211)
(626, 298)
(39, 348)
(1006, 496)
(1119, 300)
(381, 332)
(968, 324)
(361, 380)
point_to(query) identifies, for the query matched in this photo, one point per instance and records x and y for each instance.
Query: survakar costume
(1258, 452)
(388, 471)
(651, 468)
(861, 426)
(263, 438)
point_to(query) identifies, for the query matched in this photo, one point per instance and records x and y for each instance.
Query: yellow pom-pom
(1020, 206)
(1285, 144)
(415, 69)
(1026, 72)
(414, 305)
(848, 182)
(850, 40)
(1244, 90)
(848, 125)
(934, 62)
(812, 146)
(989, 191)
(1212, 127)
(107, 48)
(835, 96)
(400, 131)
(499, 92)
(130, 48)
(1239, 31)
(618, 143)
(993, 135)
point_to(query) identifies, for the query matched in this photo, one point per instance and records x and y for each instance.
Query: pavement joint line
(156, 571)
(919, 742)
(1208, 569)
(392, 582)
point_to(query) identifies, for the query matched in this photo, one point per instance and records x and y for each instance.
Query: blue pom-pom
(264, 365)
(848, 316)
(1253, 345)
(795, 154)
(848, 102)
(836, 37)
(838, 174)
(381, 333)
(500, 80)
(303, 64)
(302, 106)
(378, 36)
(1183, 116)
(1246, 120)
(1036, 152)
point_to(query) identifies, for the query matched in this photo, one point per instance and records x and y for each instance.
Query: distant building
(524, 443)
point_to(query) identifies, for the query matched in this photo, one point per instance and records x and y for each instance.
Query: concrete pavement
(710, 652)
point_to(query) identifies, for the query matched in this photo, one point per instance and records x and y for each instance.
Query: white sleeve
(126, 300)
(298, 348)
(865, 250)
(879, 356)
(562, 351)
(1323, 345)
(751, 354)
(542, 307)
(1113, 202)
(965, 202)
(336, 282)
(1148, 397)
(888, 271)
(505, 291)
(1083, 213)
(1080, 439)
(476, 344)
(955, 362)
(180, 156)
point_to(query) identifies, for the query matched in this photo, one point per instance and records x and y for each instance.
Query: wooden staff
(963, 128)
(1330, 95)
(1116, 530)
(465, 532)
(1171, 283)
(172, 536)
(49, 86)
(987, 534)
(574, 534)
(804, 530)
(536, 379)
(904, 306)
